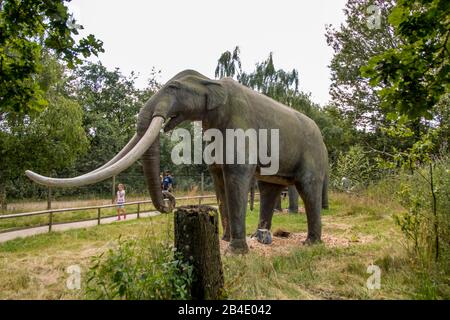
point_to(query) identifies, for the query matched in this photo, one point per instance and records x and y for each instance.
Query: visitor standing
(120, 201)
(168, 181)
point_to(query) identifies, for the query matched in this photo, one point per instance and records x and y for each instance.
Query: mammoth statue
(226, 104)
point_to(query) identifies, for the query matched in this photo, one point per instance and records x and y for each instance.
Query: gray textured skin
(226, 104)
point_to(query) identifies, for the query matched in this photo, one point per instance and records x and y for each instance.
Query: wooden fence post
(197, 239)
(113, 189)
(98, 216)
(138, 210)
(49, 198)
(50, 221)
(202, 189)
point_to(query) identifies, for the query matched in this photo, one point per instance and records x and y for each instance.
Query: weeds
(139, 269)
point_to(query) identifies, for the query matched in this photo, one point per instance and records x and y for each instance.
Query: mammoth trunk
(151, 162)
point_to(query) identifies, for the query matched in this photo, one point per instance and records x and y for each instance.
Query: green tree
(45, 142)
(416, 75)
(354, 43)
(278, 84)
(412, 82)
(27, 27)
(111, 102)
(353, 92)
(229, 64)
(426, 216)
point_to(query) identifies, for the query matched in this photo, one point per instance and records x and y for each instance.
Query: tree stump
(197, 239)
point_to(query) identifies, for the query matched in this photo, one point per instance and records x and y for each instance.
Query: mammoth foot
(263, 236)
(238, 246)
(310, 241)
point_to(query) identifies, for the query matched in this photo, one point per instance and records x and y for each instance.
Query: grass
(35, 267)
(362, 229)
(323, 272)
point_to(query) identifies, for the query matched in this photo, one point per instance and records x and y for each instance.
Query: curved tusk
(134, 154)
(120, 155)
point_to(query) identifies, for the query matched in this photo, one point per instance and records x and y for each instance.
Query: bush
(427, 218)
(356, 167)
(420, 223)
(139, 269)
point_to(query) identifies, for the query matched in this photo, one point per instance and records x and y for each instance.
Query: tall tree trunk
(434, 208)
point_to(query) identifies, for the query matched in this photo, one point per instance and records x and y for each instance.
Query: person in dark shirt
(168, 182)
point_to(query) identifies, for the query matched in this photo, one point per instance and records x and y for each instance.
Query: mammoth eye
(173, 86)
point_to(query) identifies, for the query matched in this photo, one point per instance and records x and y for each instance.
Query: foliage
(110, 101)
(420, 152)
(414, 76)
(27, 28)
(46, 142)
(229, 64)
(424, 219)
(355, 95)
(410, 82)
(354, 43)
(139, 269)
(357, 167)
(338, 132)
(277, 84)
(417, 220)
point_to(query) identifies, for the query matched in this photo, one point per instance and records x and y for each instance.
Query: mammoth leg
(293, 199)
(269, 195)
(278, 203)
(252, 193)
(219, 187)
(310, 190)
(325, 193)
(237, 185)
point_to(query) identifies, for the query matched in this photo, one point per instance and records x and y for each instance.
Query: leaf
(396, 16)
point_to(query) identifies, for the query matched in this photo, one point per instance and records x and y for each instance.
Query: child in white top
(120, 201)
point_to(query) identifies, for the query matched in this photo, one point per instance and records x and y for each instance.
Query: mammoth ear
(216, 94)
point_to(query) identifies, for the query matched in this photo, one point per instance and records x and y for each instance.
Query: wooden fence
(53, 212)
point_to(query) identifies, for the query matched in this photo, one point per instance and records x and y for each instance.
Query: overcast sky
(177, 34)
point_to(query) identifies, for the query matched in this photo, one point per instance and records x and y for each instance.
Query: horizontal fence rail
(51, 212)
